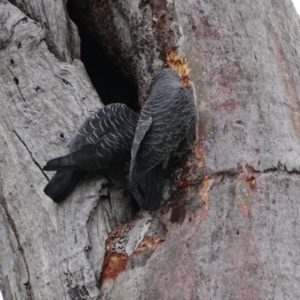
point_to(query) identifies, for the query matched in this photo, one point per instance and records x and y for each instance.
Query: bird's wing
(141, 129)
(172, 114)
(86, 157)
(167, 124)
(90, 157)
(104, 139)
(153, 135)
(110, 120)
(154, 188)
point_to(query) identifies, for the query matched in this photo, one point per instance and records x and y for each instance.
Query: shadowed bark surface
(229, 228)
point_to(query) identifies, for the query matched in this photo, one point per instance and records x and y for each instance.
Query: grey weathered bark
(229, 230)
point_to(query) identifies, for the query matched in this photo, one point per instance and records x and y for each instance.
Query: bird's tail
(135, 179)
(153, 184)
(59, 163)
(62, 184)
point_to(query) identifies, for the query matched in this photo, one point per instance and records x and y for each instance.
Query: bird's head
(179, 65)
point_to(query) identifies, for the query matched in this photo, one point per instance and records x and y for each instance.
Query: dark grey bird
(103, 141)
(167, 118)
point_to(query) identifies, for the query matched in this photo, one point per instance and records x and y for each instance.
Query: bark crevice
(234, 173)
(13, 227)
(31, 155)
(16, 80)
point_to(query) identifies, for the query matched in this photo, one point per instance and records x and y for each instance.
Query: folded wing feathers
(172, 114)
(110, 132)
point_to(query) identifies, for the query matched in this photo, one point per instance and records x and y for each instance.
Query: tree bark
(229, 227)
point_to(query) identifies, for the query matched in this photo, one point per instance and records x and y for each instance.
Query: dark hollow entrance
(111, 85)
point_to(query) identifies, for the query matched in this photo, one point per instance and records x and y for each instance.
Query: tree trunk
(229, 227)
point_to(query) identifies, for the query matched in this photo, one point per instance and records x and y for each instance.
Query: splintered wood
(179, 65)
